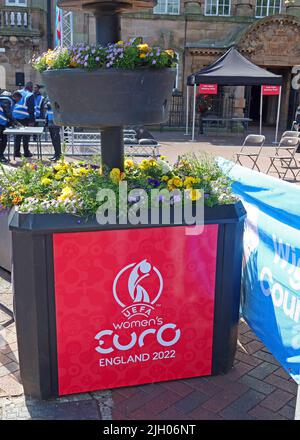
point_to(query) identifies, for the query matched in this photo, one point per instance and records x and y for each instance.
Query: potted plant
(104, 305)
(125, 83)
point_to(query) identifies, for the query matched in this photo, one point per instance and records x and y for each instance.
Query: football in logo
(137, 287)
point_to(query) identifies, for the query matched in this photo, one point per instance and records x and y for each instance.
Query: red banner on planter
(270, 90)
(208, 89)
(133, 306)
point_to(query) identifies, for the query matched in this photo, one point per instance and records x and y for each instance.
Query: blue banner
(271, 266)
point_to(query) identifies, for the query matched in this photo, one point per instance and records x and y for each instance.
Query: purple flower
(97, 59)
(154, 62)
(85, 64)
(154, 182)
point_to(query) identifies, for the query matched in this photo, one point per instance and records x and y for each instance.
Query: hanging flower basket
(127, 83)
(109, 97)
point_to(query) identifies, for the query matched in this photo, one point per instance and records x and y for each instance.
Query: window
(217, 7)
(267, 7)
(167, 7)
(16, 2)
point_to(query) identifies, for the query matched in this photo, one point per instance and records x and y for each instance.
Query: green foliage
(73, 187)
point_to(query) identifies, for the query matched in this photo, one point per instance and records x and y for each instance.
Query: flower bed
(72, 187)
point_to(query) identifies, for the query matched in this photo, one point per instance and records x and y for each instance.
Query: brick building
(265, 31)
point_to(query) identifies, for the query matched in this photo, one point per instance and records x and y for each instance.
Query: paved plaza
(257, 388)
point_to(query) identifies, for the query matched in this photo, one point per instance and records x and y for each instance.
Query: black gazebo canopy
(233, 69)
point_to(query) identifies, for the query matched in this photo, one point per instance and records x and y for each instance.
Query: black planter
(109, 97)
(39, 311)
(5, 240)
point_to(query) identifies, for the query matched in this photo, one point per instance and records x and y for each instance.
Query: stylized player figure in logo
(141, 300)
(137, 292)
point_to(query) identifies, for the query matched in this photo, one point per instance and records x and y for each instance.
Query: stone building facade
(267, 32)
(23, 33)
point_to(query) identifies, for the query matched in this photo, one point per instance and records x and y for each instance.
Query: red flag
(58, 26)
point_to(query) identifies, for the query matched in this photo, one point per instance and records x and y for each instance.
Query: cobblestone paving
(257, 388)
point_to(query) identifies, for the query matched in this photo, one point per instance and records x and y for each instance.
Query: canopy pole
(278, 114)
(297, 409)
(194, 112)
(261, 109)
(187, 109)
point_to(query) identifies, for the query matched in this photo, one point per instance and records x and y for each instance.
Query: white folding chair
(291, 133)
(252, 140)
(288, 145)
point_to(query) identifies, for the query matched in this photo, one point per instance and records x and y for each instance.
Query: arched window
(171, 7)
(267, 7)
(217, 7)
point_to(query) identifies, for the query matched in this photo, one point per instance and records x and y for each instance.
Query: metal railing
(81, 143)
(13, 18)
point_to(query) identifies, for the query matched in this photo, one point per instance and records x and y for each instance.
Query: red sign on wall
(208, 89)
(270, 90)
(133, 306)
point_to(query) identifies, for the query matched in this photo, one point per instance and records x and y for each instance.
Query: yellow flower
(66, 193)
(73, 63)
(177, 182)
(188, 182)
(120, 43)
(171, 185)
(46, 181)
(142, 55)
(144, 165)
(59, 175)
(152, 163)
(80, 171)
(129, 163)
(163, 157)
(100, 171)
(194, 194)
(60, 166)
(68, 179)
(170, 52)
(116, 175)
(143, 47)
(17, 200)
(164, 178)
(50, 58)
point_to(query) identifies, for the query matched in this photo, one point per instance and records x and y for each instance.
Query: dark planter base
(60, 305)
(112, 97)
(5, 241)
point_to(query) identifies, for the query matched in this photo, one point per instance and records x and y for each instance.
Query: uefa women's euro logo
(137, 287)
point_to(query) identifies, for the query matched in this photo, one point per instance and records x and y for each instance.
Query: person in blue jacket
(5, 120)
(54, 131)
(39, 102)
(23, 112)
